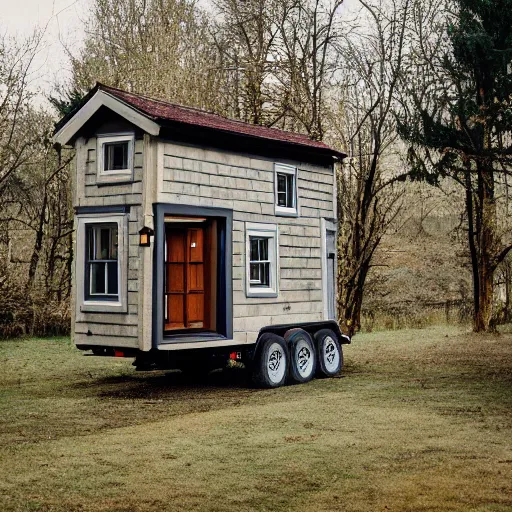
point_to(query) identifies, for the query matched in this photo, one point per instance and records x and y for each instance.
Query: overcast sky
(63, 22)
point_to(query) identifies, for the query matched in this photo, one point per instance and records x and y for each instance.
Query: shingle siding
(111, 329)
(201, 177)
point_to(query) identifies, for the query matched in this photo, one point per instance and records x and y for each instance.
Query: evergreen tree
(462, 129)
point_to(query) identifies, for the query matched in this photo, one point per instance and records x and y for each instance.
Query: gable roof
(161, 112)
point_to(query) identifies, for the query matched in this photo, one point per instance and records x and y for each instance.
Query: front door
(185, 297)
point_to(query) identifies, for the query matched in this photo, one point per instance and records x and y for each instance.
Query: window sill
(286, 212)
(258, 293)
(100, 306)
(114, 177)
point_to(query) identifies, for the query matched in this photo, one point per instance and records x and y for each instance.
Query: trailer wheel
(270, 366)
(330, 354)
(302, 355)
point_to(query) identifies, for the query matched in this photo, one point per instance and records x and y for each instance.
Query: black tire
(270, 365)
(329, 352)
(303, 356)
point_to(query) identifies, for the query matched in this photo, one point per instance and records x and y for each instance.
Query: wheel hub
(303, 358)
(330, 352)
(274, 361)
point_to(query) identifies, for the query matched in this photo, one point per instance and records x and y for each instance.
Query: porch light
(144, 236)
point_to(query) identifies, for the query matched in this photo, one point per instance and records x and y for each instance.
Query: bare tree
(245, 35)
(18, 131)
(157, 47)
(364, 123)
(308, 61)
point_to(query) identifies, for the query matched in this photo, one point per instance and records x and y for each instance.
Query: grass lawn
(419, 421)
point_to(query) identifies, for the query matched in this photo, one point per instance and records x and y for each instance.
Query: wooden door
(185, 278)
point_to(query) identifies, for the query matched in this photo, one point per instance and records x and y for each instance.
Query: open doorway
(192, 277)
(191, 250)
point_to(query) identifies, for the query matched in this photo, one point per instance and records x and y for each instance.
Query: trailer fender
(310, 327)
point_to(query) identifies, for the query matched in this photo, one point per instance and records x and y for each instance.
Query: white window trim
(281, 210)
(269, 231)
(119, 174)
(102, 306)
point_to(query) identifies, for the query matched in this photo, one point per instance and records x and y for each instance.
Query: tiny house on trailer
(199, 238)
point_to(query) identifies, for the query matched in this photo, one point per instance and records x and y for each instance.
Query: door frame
(225, 272)
(325, 226)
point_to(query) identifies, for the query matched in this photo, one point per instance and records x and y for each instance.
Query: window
(261, 260)
(115, 157)
(259, 264)
(285, 190)
(102, 269)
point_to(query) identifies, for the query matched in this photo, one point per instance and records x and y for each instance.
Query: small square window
(261, 260)
(285, 190)
(115, 158)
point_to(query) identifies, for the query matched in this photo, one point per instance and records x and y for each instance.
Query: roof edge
(92, 102)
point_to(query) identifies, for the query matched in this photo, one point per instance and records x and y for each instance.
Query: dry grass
(421, 421)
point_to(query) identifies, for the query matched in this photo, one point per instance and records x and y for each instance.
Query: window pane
(255, 272)
(254, 249)
(265, 274)
(112, 278)
(115, 156)
(290, 191)
(103, 244)
(113, 243)
(281, 182)
(90, 242)
(263, 249)
(97, 278)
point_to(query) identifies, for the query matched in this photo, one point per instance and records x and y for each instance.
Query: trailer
(200, 239)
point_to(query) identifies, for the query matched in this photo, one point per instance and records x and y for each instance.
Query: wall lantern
(144, 236)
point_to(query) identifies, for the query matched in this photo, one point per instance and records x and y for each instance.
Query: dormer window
(115, 158)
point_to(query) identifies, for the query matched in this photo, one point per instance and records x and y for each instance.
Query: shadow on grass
(171, 385)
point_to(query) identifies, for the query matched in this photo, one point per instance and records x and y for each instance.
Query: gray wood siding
(203, 177)
(111, 329)
(110, 194)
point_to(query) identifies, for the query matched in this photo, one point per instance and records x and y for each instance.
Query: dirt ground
(420, 420)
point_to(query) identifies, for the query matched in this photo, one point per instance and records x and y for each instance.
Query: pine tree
(464, 132)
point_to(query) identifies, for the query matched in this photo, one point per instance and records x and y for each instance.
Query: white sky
(64, 22)
(64, 27)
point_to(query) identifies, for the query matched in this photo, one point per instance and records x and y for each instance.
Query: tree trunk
(486, 240)
(34, 260)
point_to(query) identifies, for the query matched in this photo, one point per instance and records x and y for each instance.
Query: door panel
(196, 245)
(176, 312)
(185, 278)
(196, 278)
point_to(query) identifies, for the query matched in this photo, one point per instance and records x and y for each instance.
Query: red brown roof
(161, 110)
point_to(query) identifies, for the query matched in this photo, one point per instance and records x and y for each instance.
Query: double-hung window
(261, 260)
(101, 257)
(115, 158)
(285, 190)
(102, 263)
